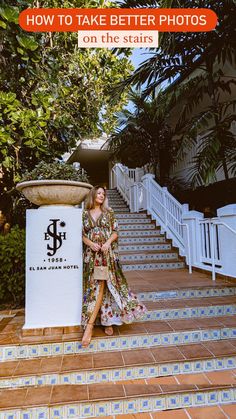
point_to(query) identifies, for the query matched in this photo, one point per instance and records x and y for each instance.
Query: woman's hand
(95, 247)
(105, 247)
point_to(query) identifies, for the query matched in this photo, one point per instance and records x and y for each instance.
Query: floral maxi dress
(119, 304)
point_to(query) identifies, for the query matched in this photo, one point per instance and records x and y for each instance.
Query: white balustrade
(209, 244)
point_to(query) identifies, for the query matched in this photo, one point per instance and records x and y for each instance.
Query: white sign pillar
(54, 267)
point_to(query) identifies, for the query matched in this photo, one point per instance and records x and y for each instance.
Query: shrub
(55, 170)
(12, 267)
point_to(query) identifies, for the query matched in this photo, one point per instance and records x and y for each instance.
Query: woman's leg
(89, 328)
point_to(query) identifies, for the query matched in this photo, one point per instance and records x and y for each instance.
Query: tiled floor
(216, 412)
(59, 394)
(122, 359)
(12, 333)
(139, 281)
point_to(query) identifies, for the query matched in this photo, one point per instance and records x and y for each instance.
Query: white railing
(209, 244)
(123, 179)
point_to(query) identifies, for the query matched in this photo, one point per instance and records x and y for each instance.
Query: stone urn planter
(54, 192)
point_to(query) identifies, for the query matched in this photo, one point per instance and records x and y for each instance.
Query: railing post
(212, 241)
(146, 180)
(164, 190)
(133, 198)
(191, 218)
(227, 239)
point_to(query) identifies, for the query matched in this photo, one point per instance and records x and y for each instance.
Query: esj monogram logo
(55, 236)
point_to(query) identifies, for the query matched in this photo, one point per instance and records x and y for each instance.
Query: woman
(109, 294)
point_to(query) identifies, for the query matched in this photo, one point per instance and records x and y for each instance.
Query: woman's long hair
(90, 199)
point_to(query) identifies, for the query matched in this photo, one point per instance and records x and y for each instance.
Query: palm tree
(143, 136)
(193, 67)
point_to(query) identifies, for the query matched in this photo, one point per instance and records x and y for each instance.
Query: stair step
(94, 400)
(188, 293)
(144, 247)
(184, 360)
(200, 309)
(131, 215)
(133, 336)
(134, 221)
(148, 255)
(115, 201)
(139, 233)
(120, 365)
(121, 210)
(151, 265)
(141, 240)
(135, 227)
(118, 205)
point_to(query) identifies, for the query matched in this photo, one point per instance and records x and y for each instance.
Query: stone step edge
(159, 247)
(128, 404)
(187, 293)
(150, 261)
(147, 252)
(29, 351)
(131, 225)
(153, 236)
(153, 266)
(127, 372)
(207, 311)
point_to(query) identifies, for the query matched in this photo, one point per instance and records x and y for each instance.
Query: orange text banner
(74, 20)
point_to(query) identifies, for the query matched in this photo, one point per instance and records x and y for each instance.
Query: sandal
(109, 330)
(87, 336)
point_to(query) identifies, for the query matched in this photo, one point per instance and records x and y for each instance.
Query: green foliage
(12, 267)
(52, 93)
(55, 170)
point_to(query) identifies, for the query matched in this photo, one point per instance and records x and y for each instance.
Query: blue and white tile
(87, 410)
(226, 396)
(145, 404)
(199, 399)
(117, 407)
(186, 400)
(159, 403)
(72, 411)
(173, 401)
(213, 397)
(102, 409)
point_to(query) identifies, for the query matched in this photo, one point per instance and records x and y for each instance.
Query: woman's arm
(94, 246)
(112, 238)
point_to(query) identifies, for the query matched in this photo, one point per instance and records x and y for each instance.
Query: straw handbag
(101, 272)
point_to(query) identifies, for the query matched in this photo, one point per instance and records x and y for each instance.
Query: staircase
(178, 362)
(141, 244)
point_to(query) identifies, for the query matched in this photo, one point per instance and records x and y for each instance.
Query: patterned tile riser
(139, 257)
(130, 216)
(186, 293)
(124, 210)
(134, 240)
(13, 352)
(141, 233)
(137, 227)
(134, 221)
(153, 266)
(117, 205)
(127, 406)
(125, 373)
(190, 313)
(145, 247)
